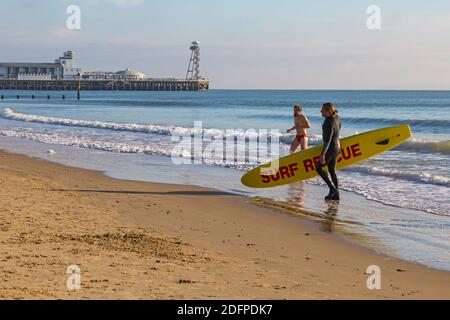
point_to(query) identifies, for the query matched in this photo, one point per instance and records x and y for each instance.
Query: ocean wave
(312, 139)
(104, 144)
(416, 145)
(413, 145)
(389, 121)
(86, 142)
(416, 176)
(357, 120)
(375, 190)
(9, 113)
(122, 102)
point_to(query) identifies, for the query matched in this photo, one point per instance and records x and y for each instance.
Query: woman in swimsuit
(301, 125)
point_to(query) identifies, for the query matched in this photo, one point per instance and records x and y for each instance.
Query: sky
(245, 44)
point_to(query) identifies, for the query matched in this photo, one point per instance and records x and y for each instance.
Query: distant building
(125, 75)
(34, 76)
(64, 75)
(30, 70)
(62, 69)
(67, 61)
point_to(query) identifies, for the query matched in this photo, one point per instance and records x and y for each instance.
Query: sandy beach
(134, 240)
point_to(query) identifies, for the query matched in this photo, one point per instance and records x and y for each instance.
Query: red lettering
(348, 155)
(292, 168)
(276, 177)
(316, 159)
(355, 150)
(309, 165)
(284, 171)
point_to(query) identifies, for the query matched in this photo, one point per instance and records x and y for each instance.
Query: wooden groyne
(105, 85)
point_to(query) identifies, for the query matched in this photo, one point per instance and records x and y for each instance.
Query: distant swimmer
(301, 125)
(331, 148)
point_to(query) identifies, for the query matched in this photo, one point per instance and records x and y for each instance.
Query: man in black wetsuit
(331, 148)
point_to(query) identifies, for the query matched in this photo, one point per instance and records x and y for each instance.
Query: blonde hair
(299, 107)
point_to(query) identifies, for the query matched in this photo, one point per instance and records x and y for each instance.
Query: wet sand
(135, 240)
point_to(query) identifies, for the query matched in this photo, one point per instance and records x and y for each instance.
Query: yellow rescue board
(301, 166)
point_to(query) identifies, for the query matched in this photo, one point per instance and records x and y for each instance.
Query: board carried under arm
(301, 166)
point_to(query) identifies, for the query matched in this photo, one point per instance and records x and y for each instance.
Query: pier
(105, 85)
(64, 75)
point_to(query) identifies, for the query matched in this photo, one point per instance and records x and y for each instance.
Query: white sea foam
(9, 113)
(413, 145)
(104, 143)
(417, 176)
(85, 142)
(417, 145)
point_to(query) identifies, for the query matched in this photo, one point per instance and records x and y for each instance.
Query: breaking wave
(413, 145)
(416, 176)
(417, 145)
(9, 113)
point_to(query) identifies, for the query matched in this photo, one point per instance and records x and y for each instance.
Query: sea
(397, 203)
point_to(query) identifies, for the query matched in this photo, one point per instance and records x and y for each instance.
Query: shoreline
(136, 240)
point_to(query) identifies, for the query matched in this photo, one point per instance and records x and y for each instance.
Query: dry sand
(136, 240)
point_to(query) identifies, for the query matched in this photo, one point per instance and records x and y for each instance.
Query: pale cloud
(62, 32)
(126, 3)
(121, 3)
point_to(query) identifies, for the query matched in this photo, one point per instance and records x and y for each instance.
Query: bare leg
(304, 143)
(294, 145)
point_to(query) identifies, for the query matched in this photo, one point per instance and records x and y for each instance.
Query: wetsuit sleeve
(327, 136)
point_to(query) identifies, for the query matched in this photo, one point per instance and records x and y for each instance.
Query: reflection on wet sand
(330, 216)
(296, 194)
(327, 224)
